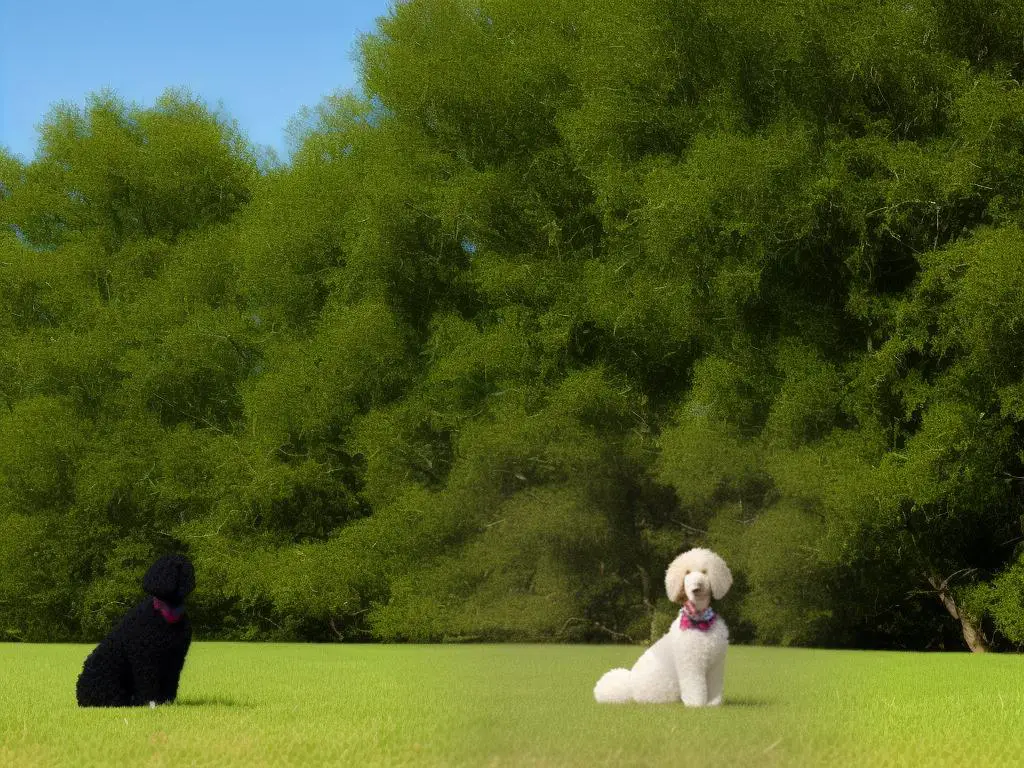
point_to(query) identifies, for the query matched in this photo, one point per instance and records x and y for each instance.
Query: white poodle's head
(694, 574)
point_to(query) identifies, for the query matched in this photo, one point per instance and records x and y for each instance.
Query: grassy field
(276, 705)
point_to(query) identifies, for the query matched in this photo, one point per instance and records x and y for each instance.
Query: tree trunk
(972, 635)
(645, 586)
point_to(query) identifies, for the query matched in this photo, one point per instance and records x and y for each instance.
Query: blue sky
(264, 62)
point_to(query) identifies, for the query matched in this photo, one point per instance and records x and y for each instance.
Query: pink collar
(691, 618)
(171, 615)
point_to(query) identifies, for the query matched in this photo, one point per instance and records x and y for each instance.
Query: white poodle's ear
(720, 577)
(674, 580)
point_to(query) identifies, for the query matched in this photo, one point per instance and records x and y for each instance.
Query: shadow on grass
(211, 701)
(745, 701)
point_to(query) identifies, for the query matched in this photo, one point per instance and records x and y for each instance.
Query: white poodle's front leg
(693, 689)
(699, 663)
(716, 681)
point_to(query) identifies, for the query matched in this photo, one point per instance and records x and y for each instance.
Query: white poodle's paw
(693, 699)
(614, 687)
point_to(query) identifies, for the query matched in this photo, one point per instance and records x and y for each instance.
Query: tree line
(566, 289)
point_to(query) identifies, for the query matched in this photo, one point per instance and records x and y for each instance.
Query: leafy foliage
(572, 288)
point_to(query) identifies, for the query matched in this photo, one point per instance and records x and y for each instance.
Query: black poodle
(140, 662)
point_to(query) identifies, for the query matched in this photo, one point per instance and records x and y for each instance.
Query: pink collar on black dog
(171, 615)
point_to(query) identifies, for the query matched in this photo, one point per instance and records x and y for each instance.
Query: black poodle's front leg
(146, 683)
(171, 674)
(169, 686)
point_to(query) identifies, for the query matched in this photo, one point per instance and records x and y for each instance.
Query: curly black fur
(140, 661)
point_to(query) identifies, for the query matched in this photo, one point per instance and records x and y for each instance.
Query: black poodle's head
(170, 578)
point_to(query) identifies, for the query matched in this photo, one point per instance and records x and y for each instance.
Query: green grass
(271, 705)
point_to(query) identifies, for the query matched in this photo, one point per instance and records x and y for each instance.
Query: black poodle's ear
(171, 578)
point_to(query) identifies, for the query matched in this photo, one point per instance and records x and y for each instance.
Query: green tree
(571, 289)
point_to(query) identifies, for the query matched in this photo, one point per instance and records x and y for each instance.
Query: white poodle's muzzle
(697, 586)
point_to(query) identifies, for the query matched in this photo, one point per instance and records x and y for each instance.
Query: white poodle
(688, 663)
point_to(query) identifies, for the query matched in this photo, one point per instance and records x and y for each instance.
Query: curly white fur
(685, 665)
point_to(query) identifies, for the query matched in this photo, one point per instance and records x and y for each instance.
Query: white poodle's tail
(614, 687)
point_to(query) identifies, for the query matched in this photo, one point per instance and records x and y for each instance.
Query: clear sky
(263, 60)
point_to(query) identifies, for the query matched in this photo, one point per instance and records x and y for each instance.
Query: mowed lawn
(454, 705)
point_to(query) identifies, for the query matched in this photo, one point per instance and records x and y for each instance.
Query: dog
(140, 661)
(688, 663)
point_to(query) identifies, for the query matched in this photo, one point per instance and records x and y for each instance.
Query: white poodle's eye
(704, 571)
